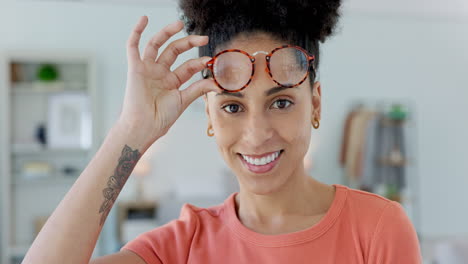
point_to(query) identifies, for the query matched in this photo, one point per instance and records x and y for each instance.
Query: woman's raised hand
(153, 101)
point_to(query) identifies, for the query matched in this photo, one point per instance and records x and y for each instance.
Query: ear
(316, 101)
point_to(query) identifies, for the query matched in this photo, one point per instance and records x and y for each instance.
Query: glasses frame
(310, 60)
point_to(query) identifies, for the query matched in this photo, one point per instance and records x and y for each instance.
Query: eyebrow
(269, 92)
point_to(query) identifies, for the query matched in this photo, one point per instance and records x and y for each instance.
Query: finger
(133, 42)
(169, 55)
(196, 90)
(185, 71)
(152, 47)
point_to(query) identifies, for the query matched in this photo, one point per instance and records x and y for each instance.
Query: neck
(301, 196)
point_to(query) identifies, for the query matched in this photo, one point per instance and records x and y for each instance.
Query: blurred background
(395, 92)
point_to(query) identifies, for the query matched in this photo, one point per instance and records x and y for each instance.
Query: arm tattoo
(127, 162)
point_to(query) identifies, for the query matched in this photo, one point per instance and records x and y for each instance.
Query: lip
(259, 169)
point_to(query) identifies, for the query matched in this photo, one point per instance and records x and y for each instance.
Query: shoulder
(365, 211)
(395, 239)
(362, 197)
(190, 219)
(365, 204)
(365, 207)
(391, 236)
(170, 243)
(385, 224)
(378, 209)
(204, 212)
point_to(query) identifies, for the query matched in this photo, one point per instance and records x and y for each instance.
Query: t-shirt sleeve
(395, 240)
(169, 243)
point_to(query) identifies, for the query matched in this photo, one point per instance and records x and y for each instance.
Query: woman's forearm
(152, 103)
(71, 232)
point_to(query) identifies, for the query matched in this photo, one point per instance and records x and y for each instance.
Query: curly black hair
(299, 22)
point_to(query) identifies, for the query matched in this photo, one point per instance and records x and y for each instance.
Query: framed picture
(69, 123)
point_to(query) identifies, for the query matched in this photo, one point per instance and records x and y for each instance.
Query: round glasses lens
(232, 70)
(289, 66)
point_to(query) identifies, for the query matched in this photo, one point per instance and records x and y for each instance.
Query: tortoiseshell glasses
(233, 69)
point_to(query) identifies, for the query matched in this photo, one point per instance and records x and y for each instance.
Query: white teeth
(263, 160)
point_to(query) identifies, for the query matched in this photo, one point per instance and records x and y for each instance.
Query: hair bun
(314, 18)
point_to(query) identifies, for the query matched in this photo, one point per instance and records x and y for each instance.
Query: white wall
(425, 62)
(372, 57)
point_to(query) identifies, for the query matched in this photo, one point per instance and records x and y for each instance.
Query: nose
(262, 62)
(258, 131)
(259, 76)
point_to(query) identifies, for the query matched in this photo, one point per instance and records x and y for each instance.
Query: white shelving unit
(24, 105)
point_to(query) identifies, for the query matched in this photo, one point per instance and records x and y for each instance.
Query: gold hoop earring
(208, 132)
(316, 123)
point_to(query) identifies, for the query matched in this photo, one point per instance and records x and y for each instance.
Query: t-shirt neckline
(287, 239)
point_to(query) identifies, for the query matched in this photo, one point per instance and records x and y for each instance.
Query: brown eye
(282, 103)
(231, 108)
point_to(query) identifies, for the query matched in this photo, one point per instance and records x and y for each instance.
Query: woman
(261, 120)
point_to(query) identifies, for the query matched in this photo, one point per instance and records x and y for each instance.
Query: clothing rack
(377, 151)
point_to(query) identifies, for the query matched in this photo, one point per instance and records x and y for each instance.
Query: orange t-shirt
(359, 227)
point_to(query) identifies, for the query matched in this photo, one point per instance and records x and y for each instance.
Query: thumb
(196, 90)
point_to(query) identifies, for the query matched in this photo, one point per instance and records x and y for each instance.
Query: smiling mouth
(263, 159)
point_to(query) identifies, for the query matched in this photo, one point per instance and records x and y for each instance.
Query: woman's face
(270, 125)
